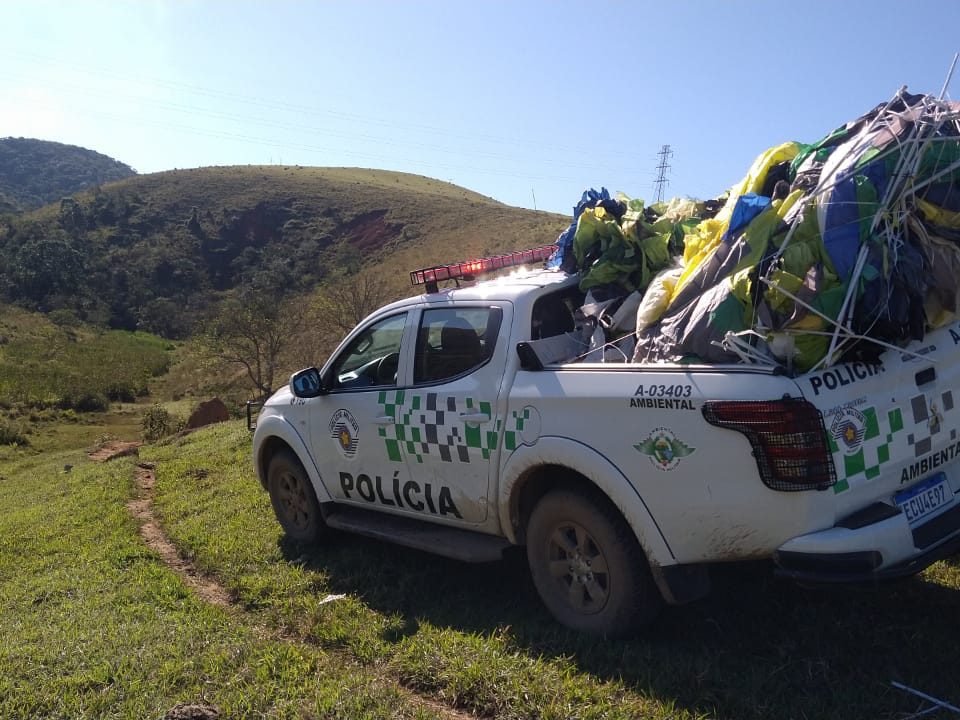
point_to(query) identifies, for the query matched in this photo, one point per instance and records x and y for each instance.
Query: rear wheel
(294, 501)
(587, 565)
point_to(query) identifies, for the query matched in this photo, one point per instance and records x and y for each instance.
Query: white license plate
(925, 498)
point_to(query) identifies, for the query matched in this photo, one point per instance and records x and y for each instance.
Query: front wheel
(588, 567)
(294, 501)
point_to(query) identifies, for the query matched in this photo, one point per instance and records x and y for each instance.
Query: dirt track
(207, 588)
(142, 509)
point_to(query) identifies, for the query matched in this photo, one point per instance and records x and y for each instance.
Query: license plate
(924, 499)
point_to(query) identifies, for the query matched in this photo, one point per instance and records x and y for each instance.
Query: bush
(64, 317)
(9, 435)
(158, 423)
(120, 393)
(84, 402)
(85, 375)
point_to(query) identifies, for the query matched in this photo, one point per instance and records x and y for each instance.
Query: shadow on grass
(755, 648)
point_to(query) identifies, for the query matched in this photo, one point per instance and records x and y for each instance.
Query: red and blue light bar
(468, 269)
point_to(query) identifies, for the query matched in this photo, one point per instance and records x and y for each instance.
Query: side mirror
(307, 383)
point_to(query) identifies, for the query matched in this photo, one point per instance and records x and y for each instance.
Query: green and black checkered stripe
(429, 425)
(881, 432)
(511, 436)
(872, 453)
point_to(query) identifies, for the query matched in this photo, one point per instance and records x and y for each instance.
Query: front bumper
(889, 548)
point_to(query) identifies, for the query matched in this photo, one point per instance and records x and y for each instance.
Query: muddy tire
(588, 567)
(294, 501)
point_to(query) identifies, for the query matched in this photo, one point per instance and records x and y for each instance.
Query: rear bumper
(885, 549)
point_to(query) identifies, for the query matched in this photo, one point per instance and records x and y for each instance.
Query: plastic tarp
(823, 252)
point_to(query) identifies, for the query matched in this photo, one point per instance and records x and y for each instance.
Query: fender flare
(275, 426)
(599, 471)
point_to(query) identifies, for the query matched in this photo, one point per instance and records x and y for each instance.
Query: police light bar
(470, 268)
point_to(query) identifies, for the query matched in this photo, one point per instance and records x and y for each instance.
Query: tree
(337, 308)
(251, 330)
(44, 266)
(343, 304)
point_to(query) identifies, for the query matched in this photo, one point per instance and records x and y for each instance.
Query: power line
(100, 72)
(566, 162)
(661, 182)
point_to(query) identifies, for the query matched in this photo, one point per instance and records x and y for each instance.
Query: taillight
(788, 438)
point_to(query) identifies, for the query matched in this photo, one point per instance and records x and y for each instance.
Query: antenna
(661, 182)
(534, 198)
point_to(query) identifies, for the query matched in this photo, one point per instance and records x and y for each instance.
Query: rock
(208, 413)
(192, 711)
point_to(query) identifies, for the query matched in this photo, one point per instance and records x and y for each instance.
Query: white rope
(735, 343)
(822, 181)
(941, 704)
(946, 82)
(599, 348)
(842, 316)
(848, 333)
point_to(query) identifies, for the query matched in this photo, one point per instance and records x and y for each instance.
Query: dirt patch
(114, 449)
(142, 509)
(370, 231)
(192, 711)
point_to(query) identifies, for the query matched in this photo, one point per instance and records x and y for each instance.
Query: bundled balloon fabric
(823, 253)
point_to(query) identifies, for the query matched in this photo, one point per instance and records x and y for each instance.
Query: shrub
(64, 317)
(158, 423)
(84, 402)
(9, 435)
(122, 393)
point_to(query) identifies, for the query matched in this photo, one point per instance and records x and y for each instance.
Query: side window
(372, 358)
(454, 341)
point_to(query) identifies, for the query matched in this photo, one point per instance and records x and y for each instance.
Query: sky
(527, 102)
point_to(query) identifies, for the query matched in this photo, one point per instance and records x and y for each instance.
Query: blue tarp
(590, 198)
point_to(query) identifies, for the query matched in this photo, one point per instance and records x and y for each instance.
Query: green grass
(476, 636)
(93, 625)
(66, 386)
(43, 365)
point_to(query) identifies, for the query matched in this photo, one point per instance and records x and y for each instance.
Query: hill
(36, 172)
(157, 252)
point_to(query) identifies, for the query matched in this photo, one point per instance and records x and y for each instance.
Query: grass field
(45, 366)
(92, 624)
(476, 636)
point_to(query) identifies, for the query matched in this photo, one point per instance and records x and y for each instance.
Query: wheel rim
(293, 499)
(578, 566)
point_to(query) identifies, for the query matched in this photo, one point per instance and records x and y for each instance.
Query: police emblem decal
(847, 429)
(346, 431)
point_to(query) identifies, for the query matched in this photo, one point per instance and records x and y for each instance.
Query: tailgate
(892, 425)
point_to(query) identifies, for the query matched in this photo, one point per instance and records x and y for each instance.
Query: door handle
(475, 417)
(385, 420)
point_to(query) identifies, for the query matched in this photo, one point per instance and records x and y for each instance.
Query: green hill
(157, 252)
(36, 172)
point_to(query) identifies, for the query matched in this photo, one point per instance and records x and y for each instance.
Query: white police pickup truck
(436, 424)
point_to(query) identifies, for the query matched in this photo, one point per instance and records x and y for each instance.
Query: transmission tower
(661, 182)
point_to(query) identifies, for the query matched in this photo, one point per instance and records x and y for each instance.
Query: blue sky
(515, 100)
